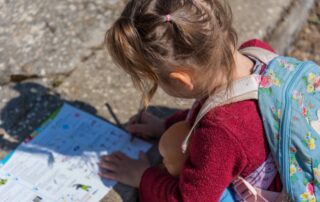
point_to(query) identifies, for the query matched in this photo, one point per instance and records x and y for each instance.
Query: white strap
(246, 191)
(249, 193)
(264, 175)
(242, 89)
(263, 55)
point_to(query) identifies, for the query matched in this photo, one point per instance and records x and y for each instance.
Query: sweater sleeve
(215, 159)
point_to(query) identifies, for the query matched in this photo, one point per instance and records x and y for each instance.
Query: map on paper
(58, 162)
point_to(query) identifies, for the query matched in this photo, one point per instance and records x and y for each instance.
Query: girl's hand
(150, 126)
(121, 168)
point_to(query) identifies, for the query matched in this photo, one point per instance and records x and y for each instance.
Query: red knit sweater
(229, 142)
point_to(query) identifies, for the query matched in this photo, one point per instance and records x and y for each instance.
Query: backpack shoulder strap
(263, 55)
(242, 89)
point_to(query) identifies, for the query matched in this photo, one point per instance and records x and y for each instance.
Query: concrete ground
(307, 46)
(52, 52)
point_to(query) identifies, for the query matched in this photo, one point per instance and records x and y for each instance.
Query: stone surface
(287, 30)
(257, 19)
(307, 44)
(56, 46)
(43, 37)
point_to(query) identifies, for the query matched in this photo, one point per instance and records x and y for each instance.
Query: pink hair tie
(168, 18)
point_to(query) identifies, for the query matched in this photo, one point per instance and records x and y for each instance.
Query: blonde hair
(198, 35)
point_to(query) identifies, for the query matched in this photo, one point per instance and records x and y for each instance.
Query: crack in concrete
(51, 28)
(283, 15)
(290, 29)
(18, 78)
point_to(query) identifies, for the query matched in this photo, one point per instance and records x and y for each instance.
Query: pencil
(114, 116)
(139, 118)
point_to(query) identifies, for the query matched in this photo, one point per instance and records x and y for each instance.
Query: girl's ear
(183, 78)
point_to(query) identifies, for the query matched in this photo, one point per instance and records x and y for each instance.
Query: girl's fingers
(108, 166)
(120, 155)
(145, 117)
(138, 129)
(111, 158)
(109, 175)
(132, 120)
(115, 157)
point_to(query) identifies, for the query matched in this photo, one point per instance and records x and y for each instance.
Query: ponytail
(125, 47)
(152, 37)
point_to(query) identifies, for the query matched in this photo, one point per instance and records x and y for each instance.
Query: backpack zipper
(285, 129)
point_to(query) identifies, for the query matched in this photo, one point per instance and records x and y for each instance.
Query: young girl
(187, 48)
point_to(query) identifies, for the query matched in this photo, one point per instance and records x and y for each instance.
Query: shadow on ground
(34, 103)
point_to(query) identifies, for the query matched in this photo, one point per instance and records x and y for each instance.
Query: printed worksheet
(59, 161)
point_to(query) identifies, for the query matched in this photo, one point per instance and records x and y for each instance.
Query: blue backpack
(289, 101)
(288, 92)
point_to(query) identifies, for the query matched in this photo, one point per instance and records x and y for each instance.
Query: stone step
(44, 38)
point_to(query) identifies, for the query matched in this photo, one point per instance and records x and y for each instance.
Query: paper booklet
(58, 162)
